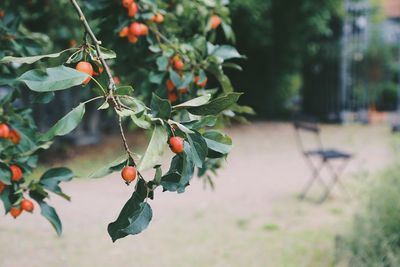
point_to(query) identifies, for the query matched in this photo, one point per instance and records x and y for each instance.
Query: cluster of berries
(136, 29)
(179, 66)
(129, 173)
(16, 172)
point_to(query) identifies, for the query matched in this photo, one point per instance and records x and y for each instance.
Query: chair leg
(335, 180)
(311, 181)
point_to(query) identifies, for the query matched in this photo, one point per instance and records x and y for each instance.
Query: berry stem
(96, 42)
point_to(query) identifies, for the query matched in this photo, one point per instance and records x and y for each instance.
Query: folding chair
(319, 158)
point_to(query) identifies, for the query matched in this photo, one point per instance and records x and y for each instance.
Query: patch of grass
(243, 223)
(270, 227)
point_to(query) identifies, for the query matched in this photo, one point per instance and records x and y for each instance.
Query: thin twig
(111, 87)
(97, 43)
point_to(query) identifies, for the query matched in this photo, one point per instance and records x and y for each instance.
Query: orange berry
(2, 13)
(158, 18)
(183, 90)
(132, 38)
(178, 64)
(127, 3)
(72, 43)
(202, 84)
(27, 205)
(133, 9)
(87, 68)
(2, 186)
(129, 174)
(124, 32)
(4, 130)
(172, 97)
(170, 85)
(15, 212)
(144, 30)
(117, 80)
(15, 137)
(135, 28)
(16, 173)
(215, 21)
(176, 144)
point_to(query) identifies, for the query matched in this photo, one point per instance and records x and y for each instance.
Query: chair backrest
(307, 125)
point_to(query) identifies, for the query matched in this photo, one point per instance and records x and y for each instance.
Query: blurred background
(335, 60)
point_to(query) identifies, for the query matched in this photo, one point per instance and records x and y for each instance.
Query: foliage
(182, 91)
(23, 154)
(375, 238)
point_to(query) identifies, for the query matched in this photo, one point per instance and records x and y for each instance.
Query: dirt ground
(252, 219)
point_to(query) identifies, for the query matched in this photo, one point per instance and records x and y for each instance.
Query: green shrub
(375, 237)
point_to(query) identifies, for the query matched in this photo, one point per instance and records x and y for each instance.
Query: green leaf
(187, 169)
(124, 90)
(198, 148)
(206, 121)
(142, 190)
(5, 173)
(52, 79)
(65, 125)
(218, 141)
(47, 211)
(44, 98)
(116, 165)
(107, 53)
(30, 60)
(170, 181)
(195, 102)
(53, 177)
(134, 217)
(226, 52)
(217, 105)
(162, 63)
(51, 215)
(224, 80)
(243, 109)
(4, 196)
(181, 127)
(141, 122)
(160, 108)
(155, 149)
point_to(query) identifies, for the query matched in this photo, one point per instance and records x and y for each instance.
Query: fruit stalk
(97, 43)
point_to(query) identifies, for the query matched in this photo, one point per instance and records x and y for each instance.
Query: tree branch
(89, 31)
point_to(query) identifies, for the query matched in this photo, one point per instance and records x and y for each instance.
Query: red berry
(27, 205)
(202, 84)
(2, 186)
(133, 9)
(176, 144)
(14, 137)
(178, 64)
(4, 130)
(158, 18)
(127, 3)
(135, 28)
(183, 90)
(124, 32)
(172, 96)
(132, 38)
(15, 211)
(215, 21)
(144, 30)
(129, 174)
(16, 173)
(170, 86)
(87, 68)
